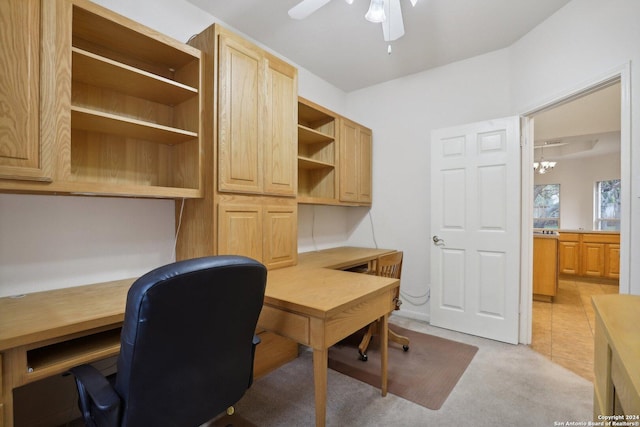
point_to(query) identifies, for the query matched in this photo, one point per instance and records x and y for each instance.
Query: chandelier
(543, 166)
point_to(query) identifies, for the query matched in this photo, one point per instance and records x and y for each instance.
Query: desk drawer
(284, 323)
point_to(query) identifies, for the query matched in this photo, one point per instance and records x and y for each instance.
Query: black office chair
(187, 346)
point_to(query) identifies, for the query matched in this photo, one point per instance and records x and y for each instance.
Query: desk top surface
(620, 315)
(313, 287)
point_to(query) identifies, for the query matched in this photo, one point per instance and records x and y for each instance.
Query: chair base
(373, 330)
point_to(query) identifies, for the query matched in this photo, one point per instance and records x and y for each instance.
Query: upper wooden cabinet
(21, 153)
(119, 103)
(334, 158)
(355, 162)
(256, 119)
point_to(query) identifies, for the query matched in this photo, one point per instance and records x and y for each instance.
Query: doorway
(618, 80)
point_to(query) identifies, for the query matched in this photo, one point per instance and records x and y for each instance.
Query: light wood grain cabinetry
(334, 158)
(250, 173)
(355, 162)
(261, 228)
(545, 267)
(569, 253)
(120, 105)
(22, 154)
(256, 120)
(594, 255)
(317, 154)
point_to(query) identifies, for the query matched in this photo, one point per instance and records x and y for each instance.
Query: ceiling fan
(386, 12)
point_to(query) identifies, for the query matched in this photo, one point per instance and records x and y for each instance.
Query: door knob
(437, 240)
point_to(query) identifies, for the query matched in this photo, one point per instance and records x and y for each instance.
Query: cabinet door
(281, 146)
(364, 166)
(280, 237)
(612, 261)
(569, 257)
(21, 155)
(240, 229)
(593, 259)
(545, 266)
(240, 116)
(355, 162)
(348, 161)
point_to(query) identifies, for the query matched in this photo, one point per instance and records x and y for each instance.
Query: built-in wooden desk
(617, 359)
(46, 333)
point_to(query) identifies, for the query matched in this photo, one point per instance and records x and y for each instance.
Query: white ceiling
(337, 44)
(587, 126)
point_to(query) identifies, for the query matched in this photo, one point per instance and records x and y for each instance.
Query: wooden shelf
(97, 121)
(311, 136)
(99, 71)
(307, 163)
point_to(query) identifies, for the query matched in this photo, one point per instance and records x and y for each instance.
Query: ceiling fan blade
(306, 8)
(393, 26)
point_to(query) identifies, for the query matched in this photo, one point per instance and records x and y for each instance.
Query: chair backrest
(389, 265)
(186, 343)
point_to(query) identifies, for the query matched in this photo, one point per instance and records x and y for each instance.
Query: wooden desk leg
(384, 351)
(320, 367)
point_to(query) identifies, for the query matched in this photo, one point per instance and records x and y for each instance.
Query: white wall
(577, 179)
(402, 114)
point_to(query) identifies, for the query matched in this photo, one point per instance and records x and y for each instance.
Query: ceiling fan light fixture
(375, 13)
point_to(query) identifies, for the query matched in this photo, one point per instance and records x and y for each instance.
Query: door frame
(620, 74)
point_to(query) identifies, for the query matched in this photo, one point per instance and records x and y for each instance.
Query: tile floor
(563, 330)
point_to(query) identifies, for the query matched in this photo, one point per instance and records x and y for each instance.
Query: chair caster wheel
(230, 410)
(363, 357)
(405, 348)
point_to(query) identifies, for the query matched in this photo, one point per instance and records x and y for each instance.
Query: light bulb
(376, 12)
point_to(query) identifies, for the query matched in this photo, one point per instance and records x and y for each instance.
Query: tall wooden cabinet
(119, 105)
(250, 177)
(249, 206)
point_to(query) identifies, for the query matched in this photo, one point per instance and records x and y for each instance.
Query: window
(546, 206)
(608, 205)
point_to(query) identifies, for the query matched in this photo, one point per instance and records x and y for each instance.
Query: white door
(475, 228)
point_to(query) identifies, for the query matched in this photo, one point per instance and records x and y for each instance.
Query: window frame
(546, 219)
(598, 219)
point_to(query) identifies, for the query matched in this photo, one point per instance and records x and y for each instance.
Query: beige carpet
(426, 374)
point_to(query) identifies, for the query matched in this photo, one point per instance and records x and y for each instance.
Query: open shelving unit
(135, 108)
(317, 154)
